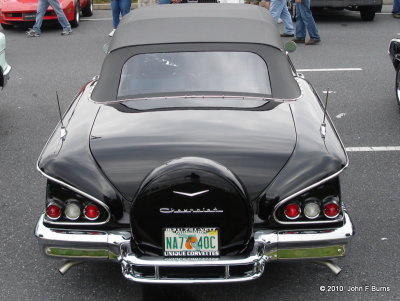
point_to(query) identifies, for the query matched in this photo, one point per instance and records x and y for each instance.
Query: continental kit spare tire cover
(191, 192)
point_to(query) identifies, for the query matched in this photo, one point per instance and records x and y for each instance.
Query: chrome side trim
(68, 185)
(198, 96)
(301, 192)
(104, 205)
(317, 183)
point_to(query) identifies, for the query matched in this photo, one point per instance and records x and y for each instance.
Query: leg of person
(275, 9)
(115, 12)
(125, 7)
(62, 19)
(396, 8)
(287, 21)
(309, 22)
(300, 34)
(35, 31)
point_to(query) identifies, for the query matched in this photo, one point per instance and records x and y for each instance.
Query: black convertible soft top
(197, 27)
(197, 23)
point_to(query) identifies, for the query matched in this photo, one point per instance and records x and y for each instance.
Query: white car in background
(4, 67)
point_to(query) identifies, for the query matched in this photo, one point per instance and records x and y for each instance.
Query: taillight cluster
(311, 209)
(73, 211)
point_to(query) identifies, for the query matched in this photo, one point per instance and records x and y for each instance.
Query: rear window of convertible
(183, 72)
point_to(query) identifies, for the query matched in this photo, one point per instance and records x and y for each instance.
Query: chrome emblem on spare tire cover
(196, 193)
(191, 210)
(191, 194)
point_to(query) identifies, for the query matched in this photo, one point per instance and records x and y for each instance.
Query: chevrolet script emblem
(191, 194)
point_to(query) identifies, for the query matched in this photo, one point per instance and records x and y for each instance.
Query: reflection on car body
(5, 68)
(394, 54)
(196, 156)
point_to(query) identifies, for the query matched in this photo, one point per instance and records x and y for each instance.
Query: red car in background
(13, 12)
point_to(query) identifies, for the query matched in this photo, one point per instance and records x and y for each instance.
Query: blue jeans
(279, 9)
(41, 10)
(305, 20)
(396, 7)
(168, 1)
(119, 7)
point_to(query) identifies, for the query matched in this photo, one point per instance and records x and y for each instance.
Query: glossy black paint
(222, 203)
(254, 145)
(70, 161)
(394, 52)
(274, 153)
(314, 158)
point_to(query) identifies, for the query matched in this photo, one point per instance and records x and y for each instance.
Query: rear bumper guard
(269, 245)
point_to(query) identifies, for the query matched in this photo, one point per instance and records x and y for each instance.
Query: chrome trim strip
(83, 194)
(315, 184)
(301, 192)
(188, 194)
(199, 96)
(70, 186)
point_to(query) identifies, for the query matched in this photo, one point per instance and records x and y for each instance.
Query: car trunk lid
(253, 144)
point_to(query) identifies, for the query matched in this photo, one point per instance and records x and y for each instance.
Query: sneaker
(396, 15)
(287, 35)
(32, 33)
(280, 21)
(298, 40)
(111, 33)
(66, 32)
(312, 41)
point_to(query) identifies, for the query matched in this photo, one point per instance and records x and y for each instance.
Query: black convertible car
(198, 155)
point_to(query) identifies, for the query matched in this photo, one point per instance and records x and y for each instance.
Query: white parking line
(373, 149)
(329, 69)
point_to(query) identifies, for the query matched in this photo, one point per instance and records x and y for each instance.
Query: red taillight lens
(53, 211)
(292, 211)
(91, 212)
(331, 210)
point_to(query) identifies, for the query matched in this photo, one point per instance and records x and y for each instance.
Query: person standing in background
(40, 12)
(119, 7)
(396, 9)
(279, 10)
(305, 22)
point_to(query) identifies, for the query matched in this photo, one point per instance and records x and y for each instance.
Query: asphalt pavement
(351, 62)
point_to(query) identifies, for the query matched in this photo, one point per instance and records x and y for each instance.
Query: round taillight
(312, 210)
(92, 212)
(72, 211)
(292, 211)
(331, 210)
(53, 211)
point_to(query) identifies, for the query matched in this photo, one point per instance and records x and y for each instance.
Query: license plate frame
(191, 242)
(29, 16)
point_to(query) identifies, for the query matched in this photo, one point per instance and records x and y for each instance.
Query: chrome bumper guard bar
(269, 245)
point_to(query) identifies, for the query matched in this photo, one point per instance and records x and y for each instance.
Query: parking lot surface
(351, 62)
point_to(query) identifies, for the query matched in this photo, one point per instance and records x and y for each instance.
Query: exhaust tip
(67, 265)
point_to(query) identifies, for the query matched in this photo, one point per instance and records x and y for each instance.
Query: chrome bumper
(269, 245)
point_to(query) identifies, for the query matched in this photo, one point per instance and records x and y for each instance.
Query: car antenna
(323, 125)
(63, 130)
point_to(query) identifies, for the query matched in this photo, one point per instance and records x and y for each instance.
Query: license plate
(29, 17)
(191, 242)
